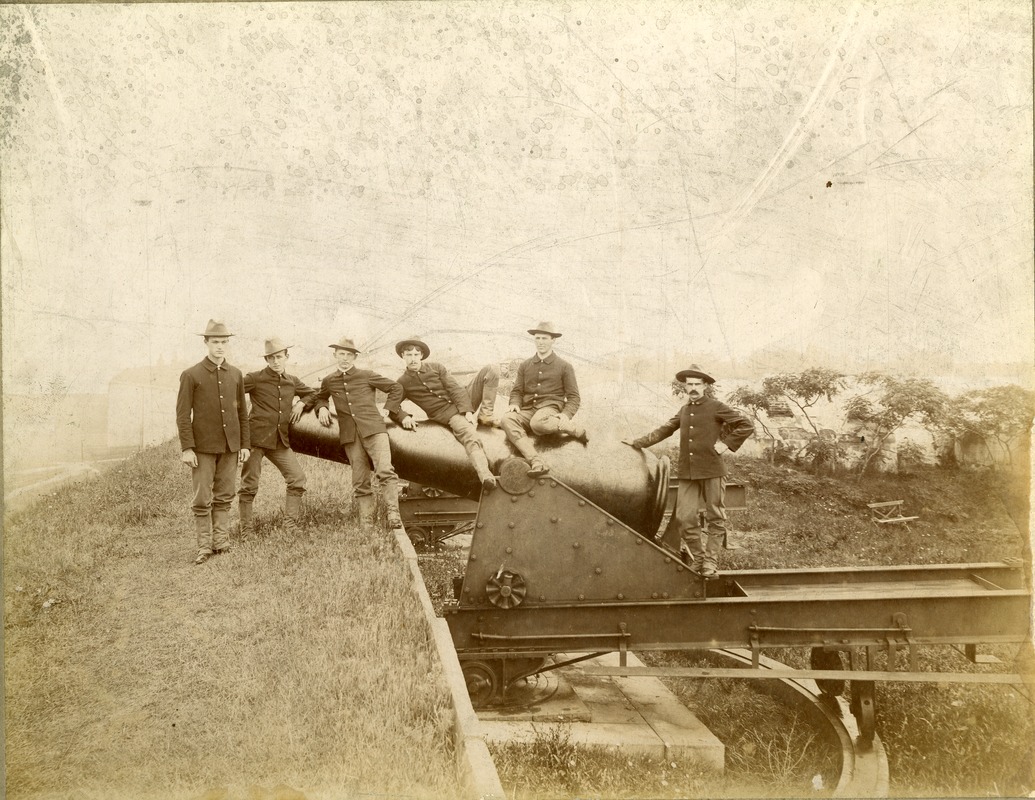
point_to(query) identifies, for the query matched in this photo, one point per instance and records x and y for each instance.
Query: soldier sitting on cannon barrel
(429, 385)
(544, 399)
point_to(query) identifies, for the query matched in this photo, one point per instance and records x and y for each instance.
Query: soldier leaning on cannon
(274, 408)
(544, 399)
(361, 428)
(700, 423)
(429, 385)
(212, 423)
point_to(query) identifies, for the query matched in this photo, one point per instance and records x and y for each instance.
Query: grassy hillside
(291, 665)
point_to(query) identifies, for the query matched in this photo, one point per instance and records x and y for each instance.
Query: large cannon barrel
(629, 484)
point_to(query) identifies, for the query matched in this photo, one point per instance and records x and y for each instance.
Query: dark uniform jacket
(272, 398)
(700, 425)
(546, 382)
(210, 409)
(354, 394)
(435, 392)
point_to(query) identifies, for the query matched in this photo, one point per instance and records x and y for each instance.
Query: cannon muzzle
(629, 484)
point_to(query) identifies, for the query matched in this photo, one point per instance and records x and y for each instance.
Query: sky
(666, 182)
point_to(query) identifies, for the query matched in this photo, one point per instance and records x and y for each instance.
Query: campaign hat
(694, 371)
(413, 341)
(215, 328)
(545, 327)
(345, 343)
(274, 345)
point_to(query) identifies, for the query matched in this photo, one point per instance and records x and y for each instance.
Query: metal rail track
(864, 767)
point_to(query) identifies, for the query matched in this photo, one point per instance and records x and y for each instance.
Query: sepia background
(751, 186)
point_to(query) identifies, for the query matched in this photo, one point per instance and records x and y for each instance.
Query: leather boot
(245, 512)
(203, 530)
(536, 465)
(713, 546)
(481, 466)
(573, 429)
(220, 530)
(365, 510)
(695, 548)
(292, 510)
(390, 494)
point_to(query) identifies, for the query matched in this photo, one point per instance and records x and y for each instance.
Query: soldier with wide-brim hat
(544, 399)
(707, 428)
(278, 401)
(413, 341)
(212, 423)
(694, 372)
(216, 328)
(547, 328)
(345, 343)
(361, 428)
(429, 386)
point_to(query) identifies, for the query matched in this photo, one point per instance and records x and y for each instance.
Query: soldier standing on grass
(274, 407)
(361, 428)
(429, 385)
(544, 399)
(213, 427)
(702, 440)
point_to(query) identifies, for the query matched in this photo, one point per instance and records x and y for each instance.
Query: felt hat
(413, 341)
(694, 372)
(275, 345)
(215, 328)
(545, 327)
(345, 343)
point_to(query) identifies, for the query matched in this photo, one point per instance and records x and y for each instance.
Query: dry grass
(295, 664)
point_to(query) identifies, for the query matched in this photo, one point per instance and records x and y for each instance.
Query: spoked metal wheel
(420, 538)
(483, 682)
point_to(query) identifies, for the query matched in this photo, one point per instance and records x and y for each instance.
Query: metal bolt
(481, 524)
(582, 502)
(664, 595)
(576, 545)
(553, 484)
(513, 499)
(621, 596)
(610, 522)
(510, 524)
(668, 560)
(542, 597)
(553, 519)
(654, 596)
(582, 597)
(598, 570)
(697, 594)
(474, 558)
(542, 482)
(510, 549)
(531, 492)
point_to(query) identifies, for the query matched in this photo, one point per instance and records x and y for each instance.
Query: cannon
(568, 563)
(629, 484)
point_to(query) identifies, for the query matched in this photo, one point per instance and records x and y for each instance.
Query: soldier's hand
(514, 408)
(384, 414)
(296, 412)
(409, 423)
(190, 458)
(721, 447)
(324, 416)
(469, 416)
(242, 455)
(632, 444)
